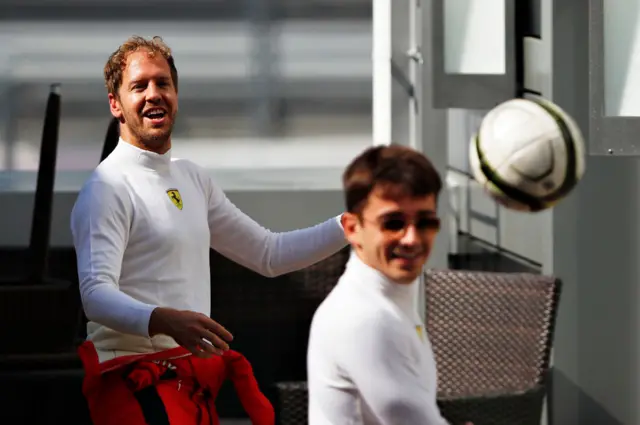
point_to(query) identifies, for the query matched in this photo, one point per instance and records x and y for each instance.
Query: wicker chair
(491, 334)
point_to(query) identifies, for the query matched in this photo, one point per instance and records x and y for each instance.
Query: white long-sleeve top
(369, 359)
(137, 250)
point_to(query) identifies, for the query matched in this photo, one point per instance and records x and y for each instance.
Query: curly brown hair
(118, 60)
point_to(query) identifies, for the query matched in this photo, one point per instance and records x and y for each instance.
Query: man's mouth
(155, 115)
(404, 255)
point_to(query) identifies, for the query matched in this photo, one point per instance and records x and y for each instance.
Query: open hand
(196, 332)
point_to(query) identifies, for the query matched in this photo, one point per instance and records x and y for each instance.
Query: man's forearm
(108, 306)
(298, 249)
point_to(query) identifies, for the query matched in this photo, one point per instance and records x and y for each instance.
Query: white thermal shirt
(369, 360)
(137, 249)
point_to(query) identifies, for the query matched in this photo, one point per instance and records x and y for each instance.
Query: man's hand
(194, 331)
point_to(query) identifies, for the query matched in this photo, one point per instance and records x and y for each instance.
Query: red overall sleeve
(257, 406)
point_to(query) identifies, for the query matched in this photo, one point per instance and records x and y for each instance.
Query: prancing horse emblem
(175, 197)
(419, 332)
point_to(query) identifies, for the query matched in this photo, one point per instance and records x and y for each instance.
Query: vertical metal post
(8, 120)
(432, 125)
(263, 103)
(400, 113)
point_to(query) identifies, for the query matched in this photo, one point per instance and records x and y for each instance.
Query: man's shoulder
(191, 170)
(107, 173)
(187, 165)
(104, 188)
(107, 179)
(343, 325)
(348, 312)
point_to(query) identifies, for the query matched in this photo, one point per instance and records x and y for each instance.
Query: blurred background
(272, 84)
(274, 95)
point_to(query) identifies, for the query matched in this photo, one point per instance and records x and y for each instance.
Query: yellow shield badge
(175, 197)
(419, 332)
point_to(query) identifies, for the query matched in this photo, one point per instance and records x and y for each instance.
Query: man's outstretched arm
(240, 238)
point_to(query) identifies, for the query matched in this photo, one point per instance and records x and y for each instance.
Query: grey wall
(595, 250)
(277, 210)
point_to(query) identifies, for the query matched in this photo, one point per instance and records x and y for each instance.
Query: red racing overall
(168, 388)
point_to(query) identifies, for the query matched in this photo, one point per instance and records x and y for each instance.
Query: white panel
(474, 36)
(382, 80)
(462, 124)
(536, 65)
(622, 57)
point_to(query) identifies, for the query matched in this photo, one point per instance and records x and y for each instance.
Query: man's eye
(394, 224)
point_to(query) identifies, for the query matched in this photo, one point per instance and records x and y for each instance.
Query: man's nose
(410, 236)
(153, 92)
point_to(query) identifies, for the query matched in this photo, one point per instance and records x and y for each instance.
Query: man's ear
(115, 107)
(352, 228)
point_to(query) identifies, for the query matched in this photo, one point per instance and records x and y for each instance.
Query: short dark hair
(396, 170)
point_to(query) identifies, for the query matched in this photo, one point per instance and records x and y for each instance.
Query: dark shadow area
(269, 318)
(480, 256)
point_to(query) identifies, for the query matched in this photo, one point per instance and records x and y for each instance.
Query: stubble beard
(152, 139)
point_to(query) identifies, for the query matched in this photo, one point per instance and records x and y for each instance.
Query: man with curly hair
(142, 227)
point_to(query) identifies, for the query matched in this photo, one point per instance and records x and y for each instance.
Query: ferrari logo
(175, 197)
(419, 332)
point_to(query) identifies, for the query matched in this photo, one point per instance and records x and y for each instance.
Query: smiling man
(142, 227)
(369, 359)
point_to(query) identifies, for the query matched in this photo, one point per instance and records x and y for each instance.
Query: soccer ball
(528, 154)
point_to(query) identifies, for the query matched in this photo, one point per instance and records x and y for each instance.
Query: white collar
(370, 279)
(147, 159)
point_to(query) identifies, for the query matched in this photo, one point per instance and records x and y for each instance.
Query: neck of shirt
(370, 279)
(144, 158)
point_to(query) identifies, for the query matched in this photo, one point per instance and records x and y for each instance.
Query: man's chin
(404, 276)
(156, 136)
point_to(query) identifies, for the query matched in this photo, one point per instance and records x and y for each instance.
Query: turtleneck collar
(146, 159)
(370, 279)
